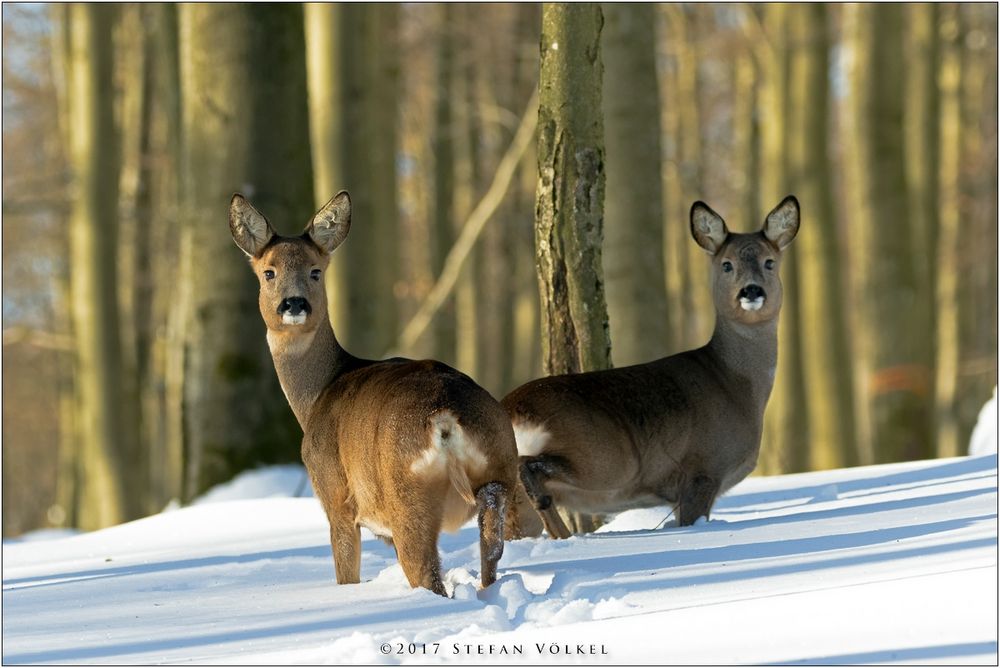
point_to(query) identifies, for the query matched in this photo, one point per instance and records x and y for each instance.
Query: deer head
(290, 269)
(745, 282)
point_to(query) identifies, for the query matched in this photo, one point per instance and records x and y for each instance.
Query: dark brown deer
(680, 430)
(405, 448)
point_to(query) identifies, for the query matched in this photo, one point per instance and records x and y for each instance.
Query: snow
(984, 435)
(893, 564)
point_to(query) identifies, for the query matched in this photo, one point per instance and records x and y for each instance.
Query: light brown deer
(680, 430)
(405, 448)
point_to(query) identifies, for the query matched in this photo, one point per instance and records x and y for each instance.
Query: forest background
(135, 369)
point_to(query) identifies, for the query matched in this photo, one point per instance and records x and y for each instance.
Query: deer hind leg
(492, 499)
(416, 549)
(534, 472)
(695, 499)
(345, 538)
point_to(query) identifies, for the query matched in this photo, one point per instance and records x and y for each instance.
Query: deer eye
(269, 274)
(727, 266)
(315, 274)
(769, 264)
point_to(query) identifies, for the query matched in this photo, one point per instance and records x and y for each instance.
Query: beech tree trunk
(569, 215)
(245, 129)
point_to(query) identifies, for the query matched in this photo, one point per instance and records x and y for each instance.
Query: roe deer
(680, 430)
(402, 447)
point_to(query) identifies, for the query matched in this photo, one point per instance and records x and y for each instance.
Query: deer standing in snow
(405, 448)
(680, 430)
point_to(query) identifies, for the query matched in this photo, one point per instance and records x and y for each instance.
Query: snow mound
(261, 483)
(984, 435)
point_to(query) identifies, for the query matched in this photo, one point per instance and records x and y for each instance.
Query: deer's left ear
(782, 224)
(329, 227)
(250, 229)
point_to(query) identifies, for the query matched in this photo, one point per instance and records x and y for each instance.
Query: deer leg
(533, 473)
(696, 499)
(345, 538)
(528, 521)
(345, 534)
(492, 501)
(416, 549)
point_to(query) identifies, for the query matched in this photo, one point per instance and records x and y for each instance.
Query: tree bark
(570, 195)
(635, 285)
(785, 447)
(245, 128)
(824, 337)
(104, 450)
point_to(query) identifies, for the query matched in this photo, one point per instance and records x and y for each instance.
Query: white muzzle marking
(289, 319)
(751, 304)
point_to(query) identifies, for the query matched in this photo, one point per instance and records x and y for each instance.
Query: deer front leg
(533, 472)
(695, 499)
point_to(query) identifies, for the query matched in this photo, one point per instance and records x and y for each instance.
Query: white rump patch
(448, 440)
(530, 438)
(751, 304)
(289, 319)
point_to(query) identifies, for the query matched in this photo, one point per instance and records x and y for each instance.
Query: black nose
(294, 306)
(752, 292)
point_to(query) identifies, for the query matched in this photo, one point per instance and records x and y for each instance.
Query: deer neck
(748, 354)
(306, 364)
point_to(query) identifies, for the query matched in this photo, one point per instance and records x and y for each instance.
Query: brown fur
(680, 430)
(371, 427)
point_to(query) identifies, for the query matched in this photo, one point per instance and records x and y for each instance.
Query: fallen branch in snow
(473, 226)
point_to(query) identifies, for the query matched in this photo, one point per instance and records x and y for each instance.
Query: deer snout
(752, 297)
(293, 310)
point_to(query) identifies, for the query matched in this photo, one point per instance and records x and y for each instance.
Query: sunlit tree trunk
(245, 128)
(569, 215)
(823, 331)
(104, 495)
(633, 239)
(785, 446)
(326, 60)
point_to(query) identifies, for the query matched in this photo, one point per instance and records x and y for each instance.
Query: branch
(37, 337)
(473, 226)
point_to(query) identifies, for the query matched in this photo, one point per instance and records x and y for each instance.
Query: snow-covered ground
(893, 563)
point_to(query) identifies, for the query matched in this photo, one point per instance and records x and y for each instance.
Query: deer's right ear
(250, 229)
(707, 227)
(329, 227)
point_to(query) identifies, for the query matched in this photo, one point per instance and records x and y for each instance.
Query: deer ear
(707, 227)
(782, 224)
(250, 229)
(329, 227)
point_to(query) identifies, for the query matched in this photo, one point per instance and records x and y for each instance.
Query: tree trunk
(785, 446)
(633, 242)
(570, 195)
(977, 256)
(326, 60)
(891, 306)
(443, 206)
(104, 451)
(164, 423)
(245, 128)
(824, 336)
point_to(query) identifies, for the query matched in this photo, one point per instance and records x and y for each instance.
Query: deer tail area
(450, 448)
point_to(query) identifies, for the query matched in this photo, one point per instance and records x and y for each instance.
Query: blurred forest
(135, 368)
